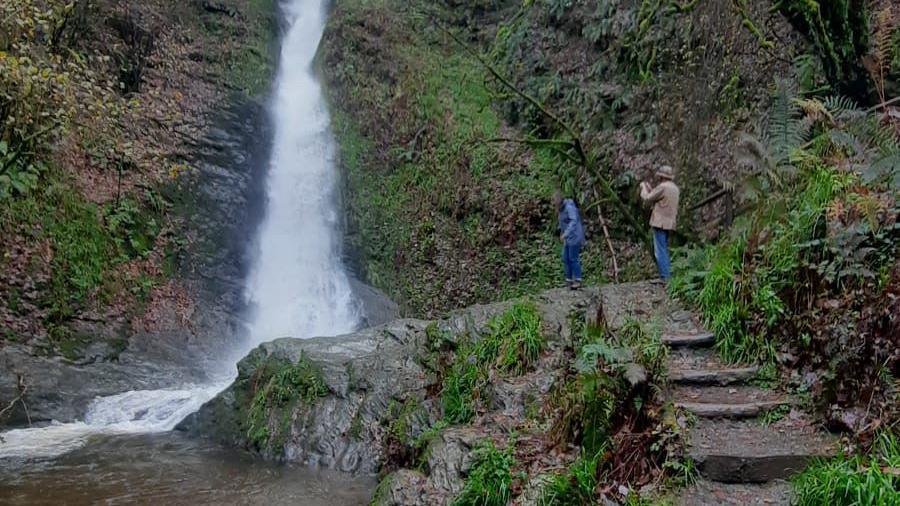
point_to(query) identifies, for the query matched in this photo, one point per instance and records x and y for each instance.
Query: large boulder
(339, 427)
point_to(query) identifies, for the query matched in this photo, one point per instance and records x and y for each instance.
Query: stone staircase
(741, 459)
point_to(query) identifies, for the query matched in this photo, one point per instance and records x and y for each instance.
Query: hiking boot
(569, 283)
(575, 285)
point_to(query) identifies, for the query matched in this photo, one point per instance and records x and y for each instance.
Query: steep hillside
(457, 119)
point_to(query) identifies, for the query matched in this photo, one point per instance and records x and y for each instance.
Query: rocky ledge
(382, 399)
(336, 401)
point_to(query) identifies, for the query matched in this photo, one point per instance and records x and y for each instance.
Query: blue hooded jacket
(570, 225)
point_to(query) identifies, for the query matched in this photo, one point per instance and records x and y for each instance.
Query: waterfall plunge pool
(169, 469)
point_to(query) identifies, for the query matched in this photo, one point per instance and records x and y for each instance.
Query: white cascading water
(297, 286)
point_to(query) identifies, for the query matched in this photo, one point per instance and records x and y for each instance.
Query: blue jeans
(571, 262)
(661, 249)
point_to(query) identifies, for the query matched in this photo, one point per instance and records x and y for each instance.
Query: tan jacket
(665, 204)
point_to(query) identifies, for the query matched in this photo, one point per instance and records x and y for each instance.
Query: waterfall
(297, 286)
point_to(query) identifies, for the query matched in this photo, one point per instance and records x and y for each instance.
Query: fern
(787, 130)
(842, 108)
(590, 353)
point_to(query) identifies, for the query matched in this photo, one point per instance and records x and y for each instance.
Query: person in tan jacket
(664, 197)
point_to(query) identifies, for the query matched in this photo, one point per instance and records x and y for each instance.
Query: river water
(124, 450)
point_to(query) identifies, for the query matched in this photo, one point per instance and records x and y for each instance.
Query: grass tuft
(489, 482)
(512, 347)
(280, 386)
(853, 481)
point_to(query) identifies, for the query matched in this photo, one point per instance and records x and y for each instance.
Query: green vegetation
(247, 60)
(401, 416)
(512, 346)
(278, 387)
(856, 481)
(815, 227)
(446, 214)
(839, 30)
(577, 486)
(489, 481)
(600, 395)
(87, 242)
(613, 391)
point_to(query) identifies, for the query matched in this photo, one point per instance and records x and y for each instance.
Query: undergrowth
(609, 408)
(853, 481)
(799, 242)
(577, 485)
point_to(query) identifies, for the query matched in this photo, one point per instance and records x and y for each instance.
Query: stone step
(697, 340)
(727, 402)
(711, 493)
(742, 410)
(682, 358)
(747, 451)
(725, 376)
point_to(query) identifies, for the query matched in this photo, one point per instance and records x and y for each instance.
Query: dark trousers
(661, 248)
(571, 261)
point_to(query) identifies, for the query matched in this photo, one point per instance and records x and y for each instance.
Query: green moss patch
(277, 388)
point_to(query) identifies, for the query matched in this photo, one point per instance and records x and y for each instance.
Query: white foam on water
(138, 411)
(297, 286)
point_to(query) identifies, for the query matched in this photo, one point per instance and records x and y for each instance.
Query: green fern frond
(841, 107)
(847, 143)
(786, 130)
(886, 169)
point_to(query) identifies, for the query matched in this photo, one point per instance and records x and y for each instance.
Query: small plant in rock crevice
(577, 486)
(609, 407)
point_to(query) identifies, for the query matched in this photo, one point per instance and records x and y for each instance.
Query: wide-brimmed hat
(665, 172)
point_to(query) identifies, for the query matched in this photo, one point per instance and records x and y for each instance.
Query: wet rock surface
(363, 372)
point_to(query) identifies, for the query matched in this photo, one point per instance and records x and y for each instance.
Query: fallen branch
(552, 144)
(710, 199)
(883, 105)
(612, 251)
(22, 388)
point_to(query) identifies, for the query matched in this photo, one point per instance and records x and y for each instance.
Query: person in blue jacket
(571, 234)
